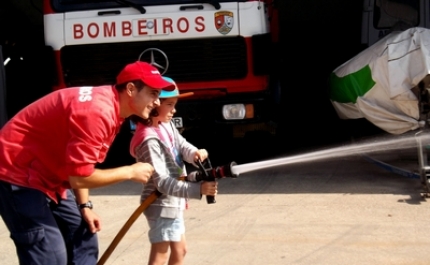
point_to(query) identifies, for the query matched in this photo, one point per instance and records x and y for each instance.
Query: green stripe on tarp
(348, 88)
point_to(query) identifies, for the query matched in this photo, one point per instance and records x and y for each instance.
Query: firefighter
(48, 153)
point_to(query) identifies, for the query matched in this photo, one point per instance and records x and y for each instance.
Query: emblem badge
(224, 21)
(155, 57)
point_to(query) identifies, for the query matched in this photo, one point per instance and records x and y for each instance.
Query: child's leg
(178, 251)
(159, 253)
(162, 233)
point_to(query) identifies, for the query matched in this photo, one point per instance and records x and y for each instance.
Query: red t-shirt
(64, 133)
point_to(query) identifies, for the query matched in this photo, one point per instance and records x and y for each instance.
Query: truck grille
(208, 59)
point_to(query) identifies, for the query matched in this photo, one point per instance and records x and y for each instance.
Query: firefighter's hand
(201, 155)
(209, 188)
(141, 172)
(92, 219)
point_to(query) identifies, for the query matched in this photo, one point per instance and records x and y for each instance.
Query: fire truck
(223, 51)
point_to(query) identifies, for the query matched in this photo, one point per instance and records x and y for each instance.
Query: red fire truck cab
(223, 51)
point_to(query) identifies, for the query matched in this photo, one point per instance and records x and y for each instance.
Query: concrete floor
(336, 211)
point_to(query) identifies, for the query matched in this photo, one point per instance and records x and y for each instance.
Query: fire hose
(206, 173)
(150, 199)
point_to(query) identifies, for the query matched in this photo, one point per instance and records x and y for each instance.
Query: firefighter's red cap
(145, 72)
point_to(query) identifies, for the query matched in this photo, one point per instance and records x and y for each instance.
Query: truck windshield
(391, 13)
(81, 5)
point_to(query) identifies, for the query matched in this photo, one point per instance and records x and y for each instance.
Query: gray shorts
(165, 229)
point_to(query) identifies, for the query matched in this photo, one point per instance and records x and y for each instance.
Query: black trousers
(44, 232)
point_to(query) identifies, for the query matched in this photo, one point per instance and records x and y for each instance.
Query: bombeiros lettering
(85, 93)
(139, 27)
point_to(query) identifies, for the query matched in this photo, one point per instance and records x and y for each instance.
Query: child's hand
(209, 188)
(201, 155)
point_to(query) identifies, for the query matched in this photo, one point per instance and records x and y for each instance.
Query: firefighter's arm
(138, 172)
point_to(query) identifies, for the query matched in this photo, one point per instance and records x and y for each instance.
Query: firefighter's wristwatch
(89, 204)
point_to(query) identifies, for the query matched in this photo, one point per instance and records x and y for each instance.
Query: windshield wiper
(141, 9)
(215, 4)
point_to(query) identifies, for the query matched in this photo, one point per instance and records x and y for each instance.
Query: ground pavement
(332, 212)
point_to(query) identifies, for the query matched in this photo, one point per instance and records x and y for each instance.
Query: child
(158, 142)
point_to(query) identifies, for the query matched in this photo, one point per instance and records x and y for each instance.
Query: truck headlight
(238, 111)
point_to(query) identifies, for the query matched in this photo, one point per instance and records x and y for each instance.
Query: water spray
(420, 140)
(378, 144)
(370, 146)
(374, 145)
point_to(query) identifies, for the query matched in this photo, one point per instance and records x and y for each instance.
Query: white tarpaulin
(377, 83)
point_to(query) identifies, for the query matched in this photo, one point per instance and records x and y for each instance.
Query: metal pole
(3, 116)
